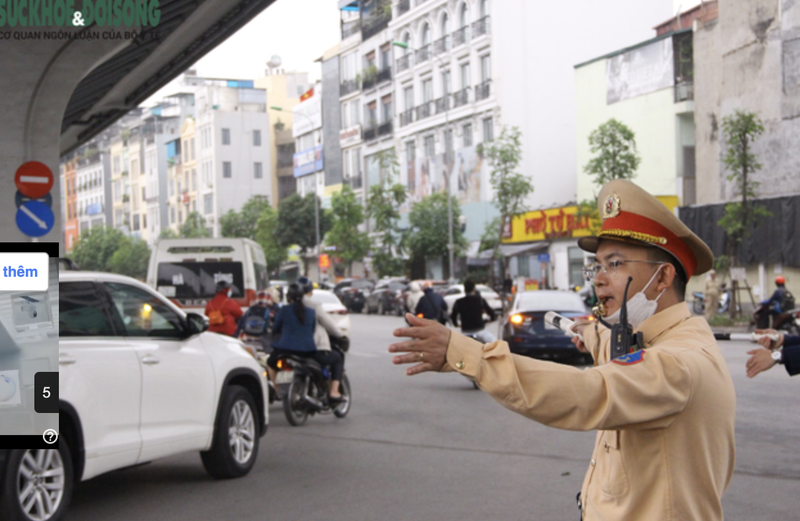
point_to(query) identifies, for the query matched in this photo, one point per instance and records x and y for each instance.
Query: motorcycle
(302, 385)
(788, 321)
(699, 304)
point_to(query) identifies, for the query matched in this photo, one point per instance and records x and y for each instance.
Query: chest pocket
(614, 479)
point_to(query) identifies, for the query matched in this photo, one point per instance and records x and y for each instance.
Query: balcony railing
(483, 90)
(384, 75)
(368, 82)
(441, 45)
(423, 53)
(403, 6)
(404, 62)
(351, 28)
(461, 97)
(370, 133)
(406, 117)
(480, 27)
(347, 87)
(684, 92)
(424, 110)
(442, 104)
(461, 36)
(385, 128)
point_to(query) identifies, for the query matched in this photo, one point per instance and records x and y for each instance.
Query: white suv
(139, 380)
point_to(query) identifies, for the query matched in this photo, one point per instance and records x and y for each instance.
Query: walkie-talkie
(623, 341)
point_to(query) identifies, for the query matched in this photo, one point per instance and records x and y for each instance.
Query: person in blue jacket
(785, 351)
(295, 323)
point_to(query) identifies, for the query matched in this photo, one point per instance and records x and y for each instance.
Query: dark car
(353, 293)
(385, 297)
(528, 335)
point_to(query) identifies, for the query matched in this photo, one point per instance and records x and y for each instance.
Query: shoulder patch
(630, 359)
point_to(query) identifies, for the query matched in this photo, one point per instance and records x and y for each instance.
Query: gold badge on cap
(611, 208)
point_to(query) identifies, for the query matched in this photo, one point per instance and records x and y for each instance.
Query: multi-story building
(233, 152)
(284, 89)
(69, 206)
(309, 162)
(92, 173)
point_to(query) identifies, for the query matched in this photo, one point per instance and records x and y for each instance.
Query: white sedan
(334, 307)
(456, 291)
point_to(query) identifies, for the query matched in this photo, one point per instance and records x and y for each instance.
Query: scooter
(699, 304)
(788, 321)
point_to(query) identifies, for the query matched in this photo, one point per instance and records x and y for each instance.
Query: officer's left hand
(428, 349)
(761, 360)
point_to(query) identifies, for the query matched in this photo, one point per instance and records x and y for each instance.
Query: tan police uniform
(665, 415)
(712, 293)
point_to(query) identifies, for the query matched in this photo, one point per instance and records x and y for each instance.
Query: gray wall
(331, 151)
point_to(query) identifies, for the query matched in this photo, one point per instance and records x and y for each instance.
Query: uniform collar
(663, 321)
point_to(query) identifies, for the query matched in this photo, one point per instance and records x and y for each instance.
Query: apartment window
(446, 82)
(116, 164)
(355, 114)
(445, 25)
(411, 152)
(484, 8)
(208, 203)
(370, 60)
(193, 156)
(427, 90)
(179, 188)
(408, 97)
(345, 114)
(143, 194)
(523, 266)
(117, 191)
(172, 215)
(118, 217)
(465, 81)
(386, 105)
(135, 222)
(258, 173)
(430, 146)
(185, 151)
(194, 205)
(488, 130)
(180, 217)
(467, 130)
(448, 144)
(426, 35)
(486, 68)
(372, 114)
(227, 171)
(463, 16)
(349, 66)
(194, 179)
(144, 221)
(256, 138)
(226, 136)
(346, 164)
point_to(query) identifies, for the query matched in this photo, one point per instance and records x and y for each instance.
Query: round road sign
(34, 179)
(35, 219)
(21, 199)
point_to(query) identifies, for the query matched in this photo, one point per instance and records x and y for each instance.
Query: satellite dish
(274, 62)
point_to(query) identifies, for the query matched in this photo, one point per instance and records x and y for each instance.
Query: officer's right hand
(579, 327)
(766, 342)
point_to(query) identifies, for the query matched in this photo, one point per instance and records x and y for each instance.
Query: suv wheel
(235, 446)
(37, 485)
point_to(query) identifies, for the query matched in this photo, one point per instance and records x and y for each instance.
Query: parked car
(456, 292)
(354, 292)
(332, 304)
(527, 334)
(139, 380)
(384, 298)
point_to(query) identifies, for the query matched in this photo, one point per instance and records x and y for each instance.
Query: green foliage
(588, 208)
(169, 233)
(267, 237)
(741, 129)
(297, 224)
(383, 207)
(427, 239)
(617, 157)
(243, 224)
(108, 249)
(348, 213)
(194, 226)
(131, 259)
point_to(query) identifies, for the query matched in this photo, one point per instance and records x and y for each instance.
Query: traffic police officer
(664, 415)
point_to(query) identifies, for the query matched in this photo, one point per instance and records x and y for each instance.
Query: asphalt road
(430, 447)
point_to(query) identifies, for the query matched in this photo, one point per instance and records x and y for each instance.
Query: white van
(187, 270)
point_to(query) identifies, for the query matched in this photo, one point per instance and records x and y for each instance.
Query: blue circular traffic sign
(20, 199)
(35, 219)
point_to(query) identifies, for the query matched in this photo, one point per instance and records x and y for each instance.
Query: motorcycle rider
(414, 294)
(297, 325)
(326, 327)
(432, 305)
(773, 306)
(471, 308)
(712, 295)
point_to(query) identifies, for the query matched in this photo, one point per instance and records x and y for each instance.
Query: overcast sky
(298, 31)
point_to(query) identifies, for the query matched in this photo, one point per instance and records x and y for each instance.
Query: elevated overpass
(61, 86)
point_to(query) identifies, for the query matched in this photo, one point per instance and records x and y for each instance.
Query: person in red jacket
(222, 311)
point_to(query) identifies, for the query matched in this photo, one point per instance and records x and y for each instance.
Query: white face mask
(639, 308)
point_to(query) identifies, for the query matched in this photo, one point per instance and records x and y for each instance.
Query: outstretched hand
(759, 361)
(427, 349)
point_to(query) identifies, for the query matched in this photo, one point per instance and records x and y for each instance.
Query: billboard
(307, 115)
(308, 161)
(469, 177)
(640, 71)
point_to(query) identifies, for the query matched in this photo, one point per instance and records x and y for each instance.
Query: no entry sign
(34, 179)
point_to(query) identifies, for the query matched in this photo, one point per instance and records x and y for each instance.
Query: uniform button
(592, 463)
(459, 365)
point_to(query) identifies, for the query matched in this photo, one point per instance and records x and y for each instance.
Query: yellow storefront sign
(558, 223)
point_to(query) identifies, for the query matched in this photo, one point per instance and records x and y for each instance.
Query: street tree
(242, 224)
(194, 226)
(617, 157)
(131, 259)
(348, 214)
(95, 247)
(383, 208)
(297, 224)
(266, 235)
(741, 129)
(511, 188)
(426, 239)
(169, 233)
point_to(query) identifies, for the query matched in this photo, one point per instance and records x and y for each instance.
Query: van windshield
(193, 280)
